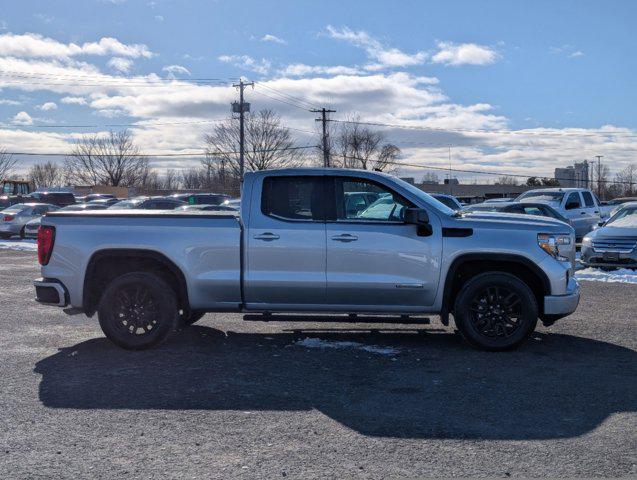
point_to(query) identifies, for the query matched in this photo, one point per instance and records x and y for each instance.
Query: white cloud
(382, 56)
(464, 54)
(273, 39)
(22, 118)
(120, 64)
(7, 101)
(33, 45)
(302, 70)
(73, 100)
(248, 63)
(159, 18)
(47, 106)
(567, 50)
(174, 70)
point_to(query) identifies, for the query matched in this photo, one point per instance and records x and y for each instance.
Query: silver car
(14, 219)
(614, 243)
(31, 228)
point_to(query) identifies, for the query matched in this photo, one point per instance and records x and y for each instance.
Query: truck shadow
(556, 386)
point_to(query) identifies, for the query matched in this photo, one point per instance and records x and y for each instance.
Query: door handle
(595, 211)
(583, 213)
(345, 237)
(267, 236)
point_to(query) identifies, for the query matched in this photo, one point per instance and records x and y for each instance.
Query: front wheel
(138, 310)
(495, 311)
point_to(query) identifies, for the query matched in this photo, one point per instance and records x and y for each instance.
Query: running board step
(351, 318)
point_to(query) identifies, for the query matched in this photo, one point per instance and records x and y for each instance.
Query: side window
(588, 199)
(293, 198)
(573, 201)
(533, 211)
(385, 206)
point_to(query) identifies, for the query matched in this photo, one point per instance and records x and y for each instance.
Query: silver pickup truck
(311, 240)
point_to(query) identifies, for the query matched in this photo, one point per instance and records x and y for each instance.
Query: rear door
(574, 210)
(375, 261)
(592, 209)
(286, 244)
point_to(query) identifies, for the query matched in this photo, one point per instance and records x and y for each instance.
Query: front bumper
(12, 228)
(563, 304)
(613, 259)
(50, 292)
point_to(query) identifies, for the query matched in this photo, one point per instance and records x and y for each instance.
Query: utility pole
(450, 187)
(326, 146)
(599, 175)
(241, 107)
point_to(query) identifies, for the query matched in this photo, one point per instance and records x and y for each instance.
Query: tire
(495, 311)
(138, 326)
(194, 317)
(22, 234)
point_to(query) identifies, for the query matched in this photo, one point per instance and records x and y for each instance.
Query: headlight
(552, 244)
(587, 241)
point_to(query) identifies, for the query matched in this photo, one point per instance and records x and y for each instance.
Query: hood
(624, 227)
(550, 203)
(509, 221)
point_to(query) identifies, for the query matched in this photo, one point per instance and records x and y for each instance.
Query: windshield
(15, 208)
(626, 217)
(424, 196)
(545, 196)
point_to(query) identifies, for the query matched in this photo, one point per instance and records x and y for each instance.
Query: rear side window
(293, 198)
(588, 199)
(206, 199)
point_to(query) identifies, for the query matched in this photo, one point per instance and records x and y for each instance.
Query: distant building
(576, 175)
(474, 193)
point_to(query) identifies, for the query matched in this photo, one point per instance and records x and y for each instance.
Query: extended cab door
(574, 210)
(285, 238)
(592, 209)
(375, 261)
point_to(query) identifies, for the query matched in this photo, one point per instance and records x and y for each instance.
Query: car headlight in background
(554, 245)
(587, 241)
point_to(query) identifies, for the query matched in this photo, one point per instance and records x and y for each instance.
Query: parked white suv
(579, 205)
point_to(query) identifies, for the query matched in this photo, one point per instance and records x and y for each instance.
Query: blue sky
(542, 66)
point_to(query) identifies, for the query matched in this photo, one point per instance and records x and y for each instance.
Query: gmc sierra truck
(311, 240)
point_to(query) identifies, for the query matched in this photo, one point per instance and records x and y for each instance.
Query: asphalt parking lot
(228, 397)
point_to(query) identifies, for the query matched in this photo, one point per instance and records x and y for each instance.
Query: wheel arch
(465, 267)
(105, 265)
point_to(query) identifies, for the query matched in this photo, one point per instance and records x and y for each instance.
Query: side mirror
(601, 224)
(571, 205)
(416, 216)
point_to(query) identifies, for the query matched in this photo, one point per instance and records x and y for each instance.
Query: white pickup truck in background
(579, 205)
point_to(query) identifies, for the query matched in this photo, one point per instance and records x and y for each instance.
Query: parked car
(524, 208)
(31, 228)
(579, 205)
(14, 219)
(449, 200)
(149, 203)
(611, 207)
(107, 202)
(97, 196)
(297, 248)
(498, 200)
(61, 199)
(614, 243)
(206, 208)
(234, 202)
(202, 198)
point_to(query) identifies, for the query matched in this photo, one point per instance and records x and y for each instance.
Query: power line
(298, 100)
(507, 132)
(210, 154)
(282, 101)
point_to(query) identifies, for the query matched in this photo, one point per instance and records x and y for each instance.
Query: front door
(375, 261)
(285, 261)
(576, 213)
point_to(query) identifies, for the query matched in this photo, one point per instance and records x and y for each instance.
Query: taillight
(46, 239)
(8, 218)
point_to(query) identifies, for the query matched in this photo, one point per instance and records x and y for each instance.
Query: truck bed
(207, 245)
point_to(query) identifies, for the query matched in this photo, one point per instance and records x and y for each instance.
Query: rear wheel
(22, 234)
(495, 311)
(138, 310)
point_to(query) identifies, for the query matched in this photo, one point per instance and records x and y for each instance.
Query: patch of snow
(622, 275)
(323, 344)
(19, 245)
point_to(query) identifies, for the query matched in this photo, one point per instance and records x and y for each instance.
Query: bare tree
(7, 162)
(47, 174)
(359, 146)
(626, 180)
(507, 180)
(193, 178)
(112, 160)
(268, 144)
(430, 178)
